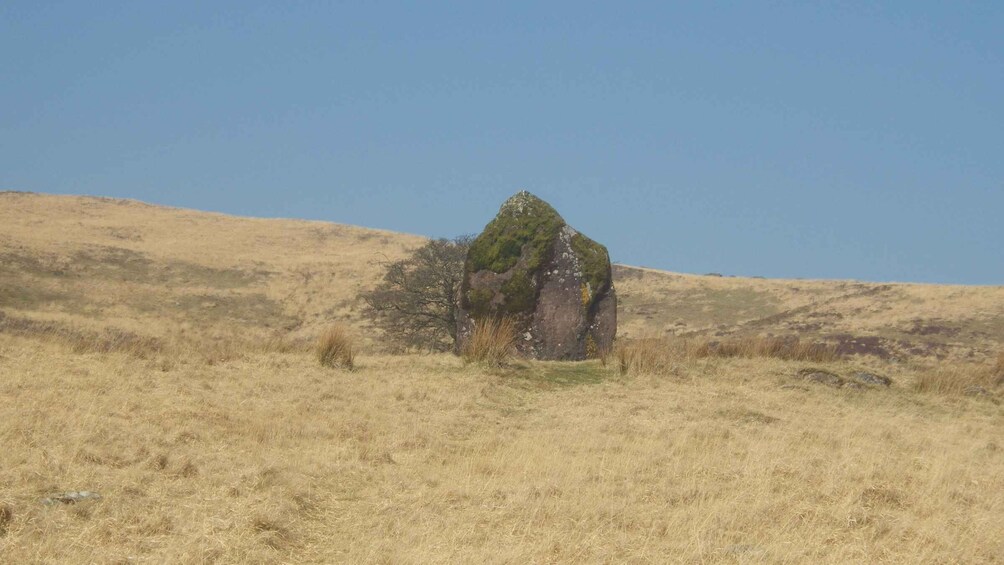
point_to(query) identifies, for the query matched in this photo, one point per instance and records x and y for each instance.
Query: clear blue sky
(776, 139)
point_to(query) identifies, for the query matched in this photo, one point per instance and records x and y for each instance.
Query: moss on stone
(523, 221)
(520, 294)
(479, 301)
(595, 262)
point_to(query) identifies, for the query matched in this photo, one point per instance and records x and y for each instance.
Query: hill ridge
(95, 262)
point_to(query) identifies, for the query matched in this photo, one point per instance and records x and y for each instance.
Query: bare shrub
(335, 348)
(492, 341)
(416, 302)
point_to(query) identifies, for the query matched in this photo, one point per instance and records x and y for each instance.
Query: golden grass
(166, 359)
(151, 271)
(660, 355)
(788, 349)
(998, 370)
(268, 459)
(492, 341)
(335, 348)
(959, 378)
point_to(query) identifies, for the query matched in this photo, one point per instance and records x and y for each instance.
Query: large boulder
(553, 281)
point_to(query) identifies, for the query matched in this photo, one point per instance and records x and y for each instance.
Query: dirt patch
(848, 344)
(933, 327)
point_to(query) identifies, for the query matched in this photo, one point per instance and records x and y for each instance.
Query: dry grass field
(163, 359)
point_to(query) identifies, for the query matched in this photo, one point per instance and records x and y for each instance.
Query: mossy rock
(525, 225)
(557, 283)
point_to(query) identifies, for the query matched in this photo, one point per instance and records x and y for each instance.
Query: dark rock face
(553, 281)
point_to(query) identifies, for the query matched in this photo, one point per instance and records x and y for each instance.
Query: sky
(776, 139)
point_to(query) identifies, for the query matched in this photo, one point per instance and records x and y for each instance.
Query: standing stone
(553, 281)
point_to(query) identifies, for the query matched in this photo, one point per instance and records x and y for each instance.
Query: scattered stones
(71, 497)
(867, 378)
(822, 377)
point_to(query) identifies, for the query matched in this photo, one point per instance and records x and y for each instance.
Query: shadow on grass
(548, 374)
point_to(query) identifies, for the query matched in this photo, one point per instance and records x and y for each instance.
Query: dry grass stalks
(657, 355)
(6, 517)
(785, 348)
(491, 342)
(267, 460)
(108, 341)
(335, 348)
(998, 370)
(958, 379)
(648, 356)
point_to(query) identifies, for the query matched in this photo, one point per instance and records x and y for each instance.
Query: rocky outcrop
(553, 281)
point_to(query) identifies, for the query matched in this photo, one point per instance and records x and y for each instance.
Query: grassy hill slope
(263, 455)
(98, 264)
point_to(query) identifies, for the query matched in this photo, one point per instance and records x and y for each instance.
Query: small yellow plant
(335, 348)
(491, 342)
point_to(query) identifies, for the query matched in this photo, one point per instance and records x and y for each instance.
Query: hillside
(98, 264)
(228, 446)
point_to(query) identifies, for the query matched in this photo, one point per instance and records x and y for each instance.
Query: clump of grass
(998, 370)
(958, 379)
(335, 348)
(657, 355)
(644, 356)
(786, 348)
(491, 342)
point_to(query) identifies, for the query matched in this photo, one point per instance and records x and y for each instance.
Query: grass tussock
(961, 379)
(491, 342)
(784, 348)
(335, 348)
(659, 355)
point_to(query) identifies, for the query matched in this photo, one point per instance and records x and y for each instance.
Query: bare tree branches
(416, 304)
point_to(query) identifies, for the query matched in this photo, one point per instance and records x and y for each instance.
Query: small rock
(71, 497)
(867, 378)
(974, 390)
(822, 377)
(744, 549)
